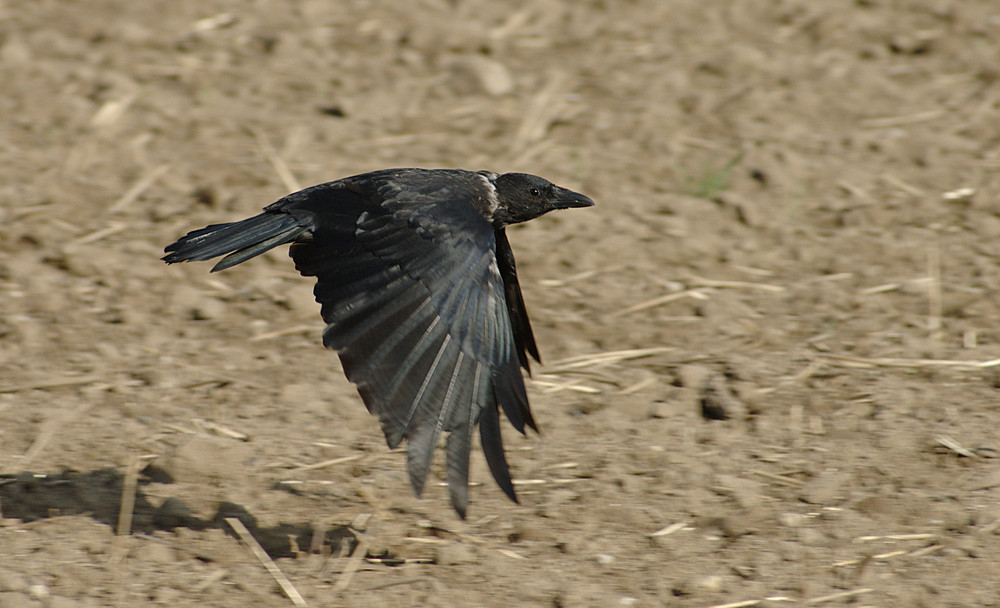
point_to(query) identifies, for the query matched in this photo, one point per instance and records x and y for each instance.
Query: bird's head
(522, 197)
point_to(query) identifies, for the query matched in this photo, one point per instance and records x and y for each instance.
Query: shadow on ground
(31, 496)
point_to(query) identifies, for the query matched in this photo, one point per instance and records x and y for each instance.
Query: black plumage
(419, 291)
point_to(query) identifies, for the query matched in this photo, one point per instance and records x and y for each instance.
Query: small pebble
(39, 591)
(711, 583)
(792, 520)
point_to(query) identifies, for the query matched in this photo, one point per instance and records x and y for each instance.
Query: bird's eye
(534, 192)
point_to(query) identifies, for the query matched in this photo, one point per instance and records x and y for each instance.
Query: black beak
(567, 199)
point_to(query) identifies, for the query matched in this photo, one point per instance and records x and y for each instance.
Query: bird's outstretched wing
(413, 292)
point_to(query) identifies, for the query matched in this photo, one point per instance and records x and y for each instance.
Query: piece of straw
(265, 560)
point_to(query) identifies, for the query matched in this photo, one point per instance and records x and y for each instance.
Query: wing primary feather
(459, 445)
(510, 394)
(425, 430)
(447, 406)
(458, 449)
(492, 443)
(425, 438)
(428, 375)
(395, 419)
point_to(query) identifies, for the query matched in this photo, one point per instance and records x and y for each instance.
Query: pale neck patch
(491, 201)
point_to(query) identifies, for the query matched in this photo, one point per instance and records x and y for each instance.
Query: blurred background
(770, 351)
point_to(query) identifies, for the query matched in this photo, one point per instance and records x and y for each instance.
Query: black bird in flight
(419, 292)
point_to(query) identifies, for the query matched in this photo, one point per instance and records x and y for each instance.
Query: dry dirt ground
(798, 227)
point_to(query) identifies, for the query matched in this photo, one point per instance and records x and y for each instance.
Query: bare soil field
(771, 352)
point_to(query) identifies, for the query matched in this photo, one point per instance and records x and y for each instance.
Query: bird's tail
(241, 240)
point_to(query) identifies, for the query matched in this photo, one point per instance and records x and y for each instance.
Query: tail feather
(241, 240)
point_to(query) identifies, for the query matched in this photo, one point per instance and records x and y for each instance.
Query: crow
(418, 288)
